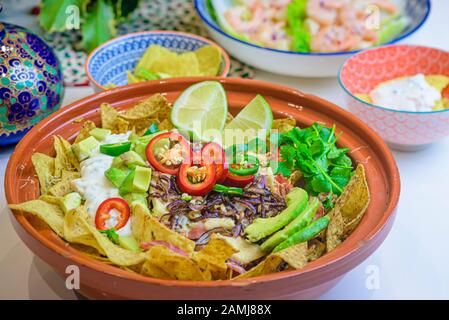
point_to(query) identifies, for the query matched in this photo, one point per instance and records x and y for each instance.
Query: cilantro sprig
(111, 234)
(313, 151)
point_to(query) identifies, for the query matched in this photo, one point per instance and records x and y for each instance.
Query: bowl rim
(372, 105)
(224, 54)
(311, 268)
(204, 17)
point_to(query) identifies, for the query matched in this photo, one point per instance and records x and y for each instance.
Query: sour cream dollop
(94, 187)
(406, 94)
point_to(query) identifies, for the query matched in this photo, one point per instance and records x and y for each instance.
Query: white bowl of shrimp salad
(308, 38)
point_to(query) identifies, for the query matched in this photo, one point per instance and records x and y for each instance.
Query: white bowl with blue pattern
(300, 64)
(109, 62)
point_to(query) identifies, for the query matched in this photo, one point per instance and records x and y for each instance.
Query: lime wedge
(251, 121)
(201, 109)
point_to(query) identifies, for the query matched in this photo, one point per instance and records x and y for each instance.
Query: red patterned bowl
(403, 130)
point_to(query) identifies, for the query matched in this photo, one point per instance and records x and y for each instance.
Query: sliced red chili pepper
(185, 152)
(197, 180)
(234, 180)
(212, 151)
(104, 213)
(445, 92)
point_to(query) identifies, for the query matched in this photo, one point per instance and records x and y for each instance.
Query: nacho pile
(153, 242)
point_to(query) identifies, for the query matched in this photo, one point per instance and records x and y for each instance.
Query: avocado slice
(99, 133)
(127, 184)
(84, 148)
(71, 201)
(137, 180)
(128, 243)
(296, 201)
(116, 176)
(300, 222)
(135, 197)
(131, 159)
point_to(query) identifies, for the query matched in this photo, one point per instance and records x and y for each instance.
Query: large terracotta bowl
(99, 280)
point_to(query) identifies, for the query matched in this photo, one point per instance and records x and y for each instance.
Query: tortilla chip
(166, 125)
(64, 186)
(348, 210)
(209, 60)
(152, 270)
(283, 125)
(108, 117)
(158, 60)
(295, 257)
(45, 168)
(212, 258)
(315, 249)
(116, 254)
(138, 221)
(154, 230)
(75, 230)
(84, 131)
(173, 264)
(65, 158)
(132, 78)
(229, 118)
(50, 213)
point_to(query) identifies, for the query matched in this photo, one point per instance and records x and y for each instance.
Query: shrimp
(385, 5)
(354, 20)
(322, 11)
(235, 17)
(333, 39)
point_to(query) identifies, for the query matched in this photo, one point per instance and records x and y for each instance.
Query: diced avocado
(134, 197)
(140, 143)
(118, 162)
(296, 201)
(299, 223)
(142, 179)
(116, 176)
(137, 180)
(159, 207)
(71, 201)
(129, 243)
(127, 184)
(84, 148)
(132, 159)
(99, 133)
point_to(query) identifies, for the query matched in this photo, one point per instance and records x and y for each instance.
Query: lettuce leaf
(296, 14)
(391, 28)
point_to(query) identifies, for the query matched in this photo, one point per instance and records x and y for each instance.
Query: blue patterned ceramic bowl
(31, 82)
(109, 62)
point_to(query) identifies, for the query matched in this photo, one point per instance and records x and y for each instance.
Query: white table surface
(412, 263)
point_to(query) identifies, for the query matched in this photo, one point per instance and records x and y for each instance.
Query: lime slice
(250, 122)
(200, 110)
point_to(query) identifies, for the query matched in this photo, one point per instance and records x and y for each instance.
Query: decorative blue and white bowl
(109, 62)
(31, 82)
(291, 63)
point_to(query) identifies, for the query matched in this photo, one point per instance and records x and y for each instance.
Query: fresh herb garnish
(112, 235)
(313, 151)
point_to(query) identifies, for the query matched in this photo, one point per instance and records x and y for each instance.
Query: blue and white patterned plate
(109, 63)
